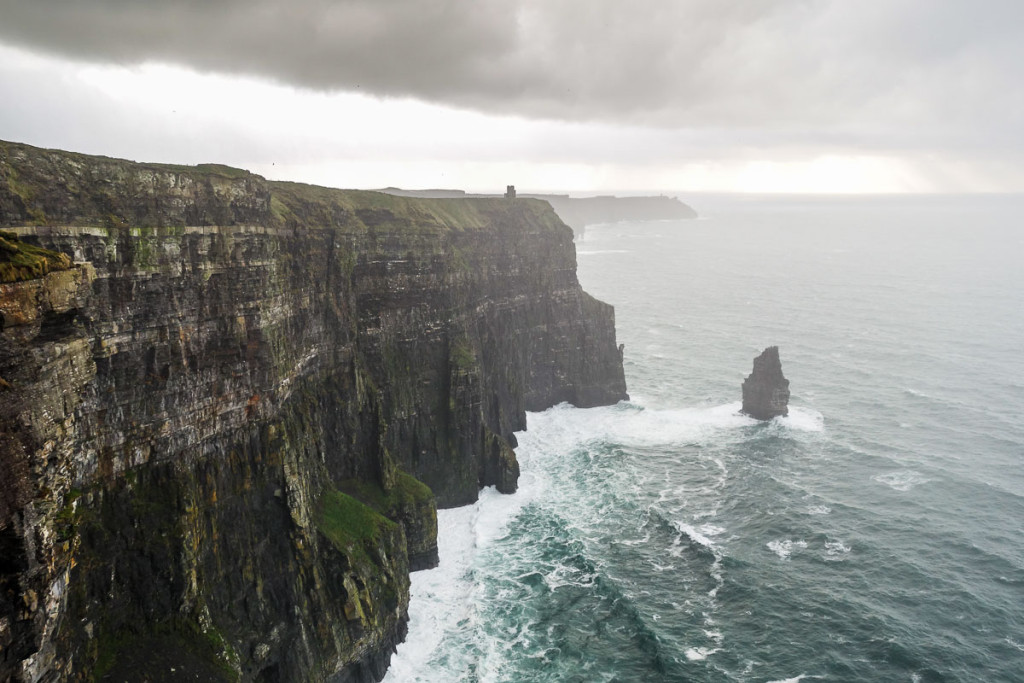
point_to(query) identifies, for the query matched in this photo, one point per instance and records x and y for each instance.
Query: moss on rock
(23, 261)
(351, 526)
(409, 502)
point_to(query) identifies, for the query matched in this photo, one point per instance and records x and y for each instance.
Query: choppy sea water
(876, 534)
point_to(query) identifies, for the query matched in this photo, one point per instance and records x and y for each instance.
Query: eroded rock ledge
(223, 430)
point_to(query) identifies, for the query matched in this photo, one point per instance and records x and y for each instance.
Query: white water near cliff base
(873, 535)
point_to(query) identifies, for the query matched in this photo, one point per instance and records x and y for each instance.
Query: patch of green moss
(411, 488)
(70, 516)
(461, 355)
(223, 171)
(191, 652)
(351, 526)
(217, 645)
(25, 191)
(22, 261)
(347, 260)
(407, 489)
(202, 169)
(279, 210)
(65, 524)
(107, 647)
(459, 261)
(114, 221)
(37, 216)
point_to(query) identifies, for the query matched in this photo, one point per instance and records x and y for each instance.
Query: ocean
(874, 534)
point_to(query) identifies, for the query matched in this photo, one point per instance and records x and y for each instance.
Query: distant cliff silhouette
(579, 212)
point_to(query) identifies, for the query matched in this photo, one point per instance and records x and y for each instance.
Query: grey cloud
(827, 68)
(647, 60)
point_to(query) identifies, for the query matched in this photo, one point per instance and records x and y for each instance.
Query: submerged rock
(766, 390)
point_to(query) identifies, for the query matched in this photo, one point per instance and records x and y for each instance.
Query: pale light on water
(873, 535)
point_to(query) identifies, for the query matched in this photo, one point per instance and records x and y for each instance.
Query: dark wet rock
(766, 391)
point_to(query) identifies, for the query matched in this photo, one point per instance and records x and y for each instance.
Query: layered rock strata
(228, 415)
(766, 390)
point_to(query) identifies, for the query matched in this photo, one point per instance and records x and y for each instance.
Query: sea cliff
(229, 408)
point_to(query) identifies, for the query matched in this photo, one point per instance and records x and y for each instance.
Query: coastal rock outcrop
(766, 390)
(230, 407)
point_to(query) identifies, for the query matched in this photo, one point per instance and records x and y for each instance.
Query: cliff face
(214, 425)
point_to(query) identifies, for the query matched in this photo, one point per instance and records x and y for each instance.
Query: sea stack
(766, 391)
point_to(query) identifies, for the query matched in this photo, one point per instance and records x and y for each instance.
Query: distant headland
(579, 212)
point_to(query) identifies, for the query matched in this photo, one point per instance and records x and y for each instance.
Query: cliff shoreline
(230, 407)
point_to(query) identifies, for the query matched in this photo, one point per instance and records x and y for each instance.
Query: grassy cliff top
(313, 205)
(18, 151)
(54, 187)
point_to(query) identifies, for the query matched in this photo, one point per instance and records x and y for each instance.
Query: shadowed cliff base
(229, 416)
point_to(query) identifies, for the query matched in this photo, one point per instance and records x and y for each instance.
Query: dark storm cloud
(862, 71)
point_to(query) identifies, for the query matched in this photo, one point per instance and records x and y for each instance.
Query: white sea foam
(803, 419)
(441, 597)
(638, 425)
(444, 599)
(819, 510)
(696, 654)
(711, 530)
(901, 480)
(795, 679)
(562, 575)
(653, 427)
(783, 547)
(700, 536)
(632, 423)
(1015, 644)
(834, 550)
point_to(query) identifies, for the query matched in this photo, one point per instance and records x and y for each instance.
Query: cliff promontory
(579, 212)
(229, 408)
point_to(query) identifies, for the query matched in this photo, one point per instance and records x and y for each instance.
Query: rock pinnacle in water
(766, 391)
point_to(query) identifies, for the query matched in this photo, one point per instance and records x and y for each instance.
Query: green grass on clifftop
(376, 211)
(58, 188)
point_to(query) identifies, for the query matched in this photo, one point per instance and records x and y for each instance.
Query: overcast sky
(579, 95)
